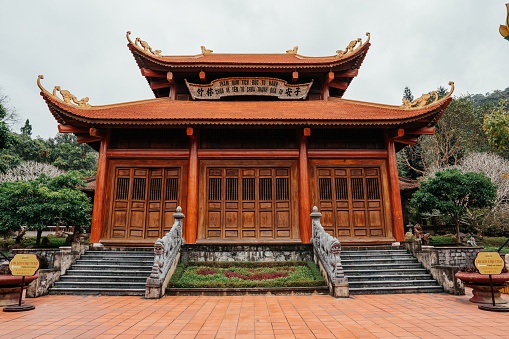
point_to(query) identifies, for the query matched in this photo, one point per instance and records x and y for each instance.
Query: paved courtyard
(367, 316)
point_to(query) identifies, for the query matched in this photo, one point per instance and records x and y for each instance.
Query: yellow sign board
(24, 264)
(489, 263)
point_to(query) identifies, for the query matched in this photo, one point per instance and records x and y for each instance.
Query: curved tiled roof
(164, 111)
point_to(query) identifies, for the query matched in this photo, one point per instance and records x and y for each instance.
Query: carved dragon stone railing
(166, 258)
(327, 250)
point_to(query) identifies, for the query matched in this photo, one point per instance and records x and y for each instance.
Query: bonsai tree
(452, 193)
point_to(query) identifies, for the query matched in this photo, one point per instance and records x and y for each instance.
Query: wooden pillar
(192, 190)
(100, 191)
(304, 198)
(398, 229)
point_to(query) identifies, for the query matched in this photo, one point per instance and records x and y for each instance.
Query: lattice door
(144, 202)
(351, 202)
(248, 203)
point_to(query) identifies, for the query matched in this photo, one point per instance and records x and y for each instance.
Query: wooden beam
(347, 74)
(396, 133)
(330, 77)
(295, 76)
(150, 73)
(159, 84)
(406, 140)
(85, 138)
(99, 133)
(203, 76)
(191, 229)
(304, 192)
(423, 131)
(398, 229)
(100, 193)
(338, 84)
(71, 129)
(170, 78)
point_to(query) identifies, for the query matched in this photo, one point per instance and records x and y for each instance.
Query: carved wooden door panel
(248, 203)
(144, 202)
(351, 202)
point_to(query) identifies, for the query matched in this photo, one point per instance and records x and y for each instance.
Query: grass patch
(438, 240)
(29, 242)
(246, 274)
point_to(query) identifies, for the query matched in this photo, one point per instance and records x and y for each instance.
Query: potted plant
(10, 285)
(480, 284)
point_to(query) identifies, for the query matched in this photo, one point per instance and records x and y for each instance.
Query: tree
(29, 170)
(66, 154)
(453, 193)
(496, 127)
(407, 94)
(44, 201)
(27, 129)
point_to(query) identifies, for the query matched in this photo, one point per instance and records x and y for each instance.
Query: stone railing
(166, 258)
(327, 250)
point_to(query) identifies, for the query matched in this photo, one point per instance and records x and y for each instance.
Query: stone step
(346, 251)
(397, 289)
(379, 261)
(391, 283)
(374, 267)
(369, 256)
(111, 267)
(96, 291)
(378, 277)
(137, 262)
(118, 256)
(145, 273)
(100, 284)
(108, 278)
(355, 272)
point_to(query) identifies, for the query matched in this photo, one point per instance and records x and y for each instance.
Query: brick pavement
(366, 316)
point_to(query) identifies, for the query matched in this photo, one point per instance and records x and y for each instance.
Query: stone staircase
(107, 272)
(385, 271)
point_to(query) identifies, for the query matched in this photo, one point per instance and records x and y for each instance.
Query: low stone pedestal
(10, 296)
(482, 294)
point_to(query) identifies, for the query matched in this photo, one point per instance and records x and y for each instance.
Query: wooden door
(248, 203)
(351, 201)
(144, 202)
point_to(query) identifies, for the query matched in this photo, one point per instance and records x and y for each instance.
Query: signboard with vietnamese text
(489, 263)
(24, 264)
(249, 86)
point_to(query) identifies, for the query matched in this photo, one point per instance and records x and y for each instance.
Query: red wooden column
(100, 190)
(396, 208)
(192, 190)
(304, 199)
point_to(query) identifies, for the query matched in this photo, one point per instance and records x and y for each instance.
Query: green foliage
(496, 127)
(438, 240)
(27, 129)
(43, 201)
(66, 154)
(407, 94)
(237, 275)
(453, 193)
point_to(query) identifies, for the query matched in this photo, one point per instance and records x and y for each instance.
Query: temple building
(247, 144)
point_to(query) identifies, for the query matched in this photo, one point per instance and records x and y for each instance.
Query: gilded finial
(205, 50)
(426, 99)
(69, 98)
(352, 46)
(504, 29)
(39, 82)
(146, 47)
(293, 51)
(127, 35)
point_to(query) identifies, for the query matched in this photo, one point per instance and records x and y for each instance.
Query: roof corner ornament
(352, 46)
(70, 99)
(293, 51)
(142, 44)
(426, 99)
(205, 51)
(504, 29)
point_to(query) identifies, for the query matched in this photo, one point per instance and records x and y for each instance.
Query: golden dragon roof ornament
(67, 96)
(143, 45)
(426, 99)
(504, 29)
(353, 46)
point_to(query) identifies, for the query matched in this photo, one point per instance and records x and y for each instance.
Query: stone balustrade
(327, 250)
(166, 258)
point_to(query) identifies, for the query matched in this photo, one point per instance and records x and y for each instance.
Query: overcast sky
(81, 45)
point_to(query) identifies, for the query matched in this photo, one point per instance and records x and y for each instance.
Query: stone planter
(9, 288)
(480, 285)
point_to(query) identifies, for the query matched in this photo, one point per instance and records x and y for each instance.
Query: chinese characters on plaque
(249, 86)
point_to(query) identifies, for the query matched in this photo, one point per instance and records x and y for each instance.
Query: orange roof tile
(164, 111)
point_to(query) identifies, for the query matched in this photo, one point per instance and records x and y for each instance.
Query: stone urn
(9, 288)
(480, 284)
